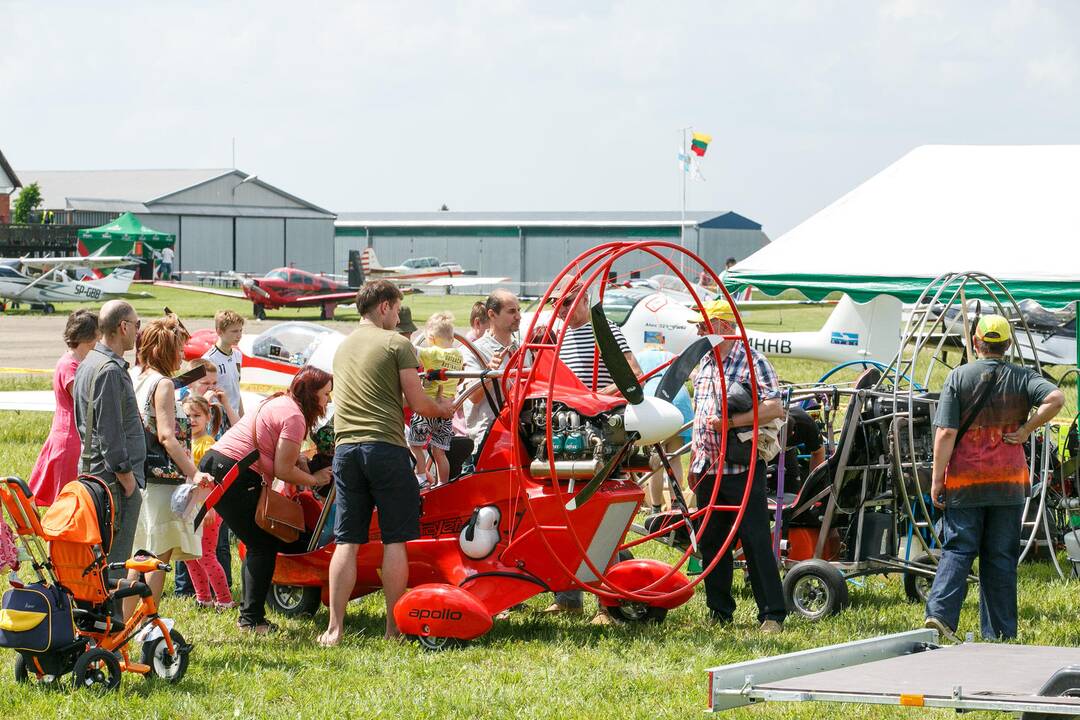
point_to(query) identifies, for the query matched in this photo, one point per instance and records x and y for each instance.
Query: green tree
(28, 200)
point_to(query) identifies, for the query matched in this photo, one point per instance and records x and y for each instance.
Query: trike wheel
(168, 667)
(98, 669)
(815, 589)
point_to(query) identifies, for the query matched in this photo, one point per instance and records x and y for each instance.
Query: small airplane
(423, 268)
(1053, 332)
(54, 285)
(651, 319)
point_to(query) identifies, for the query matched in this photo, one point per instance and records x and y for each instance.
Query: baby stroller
(71, 619)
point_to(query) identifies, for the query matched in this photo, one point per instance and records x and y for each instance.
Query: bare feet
(329, 639)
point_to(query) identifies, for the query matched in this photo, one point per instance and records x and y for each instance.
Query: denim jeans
(992, 534)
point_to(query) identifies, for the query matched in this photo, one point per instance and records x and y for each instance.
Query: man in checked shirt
(754, 531)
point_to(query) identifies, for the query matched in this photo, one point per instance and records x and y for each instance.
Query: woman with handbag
(168, 447)
(255, 513)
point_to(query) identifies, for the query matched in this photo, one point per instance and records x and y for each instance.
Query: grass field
(529, 666)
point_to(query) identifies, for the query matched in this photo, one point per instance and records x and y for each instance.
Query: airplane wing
(466, 281)
(28, 400)
(45, 400)
(781, 304)
(200, 288)
(329, 297)
(97, 261)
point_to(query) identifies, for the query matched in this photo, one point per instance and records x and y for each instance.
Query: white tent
(1012, 212)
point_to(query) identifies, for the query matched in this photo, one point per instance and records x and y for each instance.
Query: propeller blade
(601, 475)
(677, 499)
(679, 371)
(614, 360)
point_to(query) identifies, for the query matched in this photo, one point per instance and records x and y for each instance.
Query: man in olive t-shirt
(373, 468)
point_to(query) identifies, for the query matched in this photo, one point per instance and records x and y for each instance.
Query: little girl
(436, 433)
(206, 572)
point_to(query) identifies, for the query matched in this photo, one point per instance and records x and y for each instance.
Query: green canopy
(119, 237)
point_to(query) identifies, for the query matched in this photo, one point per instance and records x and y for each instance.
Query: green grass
(192, 304)
(530, 666)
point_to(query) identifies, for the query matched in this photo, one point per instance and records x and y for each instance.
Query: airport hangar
(531, 248)
(223, 219)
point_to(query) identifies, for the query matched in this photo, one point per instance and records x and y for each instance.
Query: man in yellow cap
(707, 465)
(980, 478)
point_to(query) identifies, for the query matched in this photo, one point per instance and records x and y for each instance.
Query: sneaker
(771, 627)
(204, 604)
(603, 618)
(943, 630)
(223, 606)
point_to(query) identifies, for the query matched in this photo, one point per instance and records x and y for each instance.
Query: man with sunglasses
(753, 531)
(114, 446)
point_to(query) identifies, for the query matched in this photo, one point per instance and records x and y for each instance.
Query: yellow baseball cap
(993, 329)
(714, 309)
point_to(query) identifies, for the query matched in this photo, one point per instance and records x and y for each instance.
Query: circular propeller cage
(937, 336)
(592, 271)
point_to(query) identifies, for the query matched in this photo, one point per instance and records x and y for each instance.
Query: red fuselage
(289, 287)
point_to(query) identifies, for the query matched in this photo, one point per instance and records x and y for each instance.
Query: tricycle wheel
(168, 667)
(294, 600)
(636, 612)
(815, 589)
(98, 669)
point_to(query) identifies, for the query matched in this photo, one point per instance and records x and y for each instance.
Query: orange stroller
(74, 589)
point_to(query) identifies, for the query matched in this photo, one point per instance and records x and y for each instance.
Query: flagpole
(682, 215)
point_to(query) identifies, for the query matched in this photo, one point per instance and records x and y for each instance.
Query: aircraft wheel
(636, 612)
(49, 308)
(259, 311)
(326, 313)
(98, 669)
(917, 586)
(815, 589)
(294, 600)
(439, 644)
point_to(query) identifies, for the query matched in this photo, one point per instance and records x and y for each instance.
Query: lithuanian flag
(700, 143)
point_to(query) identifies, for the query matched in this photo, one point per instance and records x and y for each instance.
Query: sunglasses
(137, 321)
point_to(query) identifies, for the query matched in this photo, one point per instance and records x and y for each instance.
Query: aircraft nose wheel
(637, 612)
(815, 589)
(259, 311)
(434, 644)
(49, 308)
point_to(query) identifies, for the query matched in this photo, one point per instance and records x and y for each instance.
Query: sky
(501, 106)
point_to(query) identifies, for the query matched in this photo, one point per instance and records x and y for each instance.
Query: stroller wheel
(168, 667)
(97, 668)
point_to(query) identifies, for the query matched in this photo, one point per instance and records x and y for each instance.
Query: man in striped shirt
(753, 531)
(579, 353)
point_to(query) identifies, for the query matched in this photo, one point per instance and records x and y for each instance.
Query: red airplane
(551, 499)
(289, 287)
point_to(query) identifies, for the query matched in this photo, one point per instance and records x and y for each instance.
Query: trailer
(910, 669)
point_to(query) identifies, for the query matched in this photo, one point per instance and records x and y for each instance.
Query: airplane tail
(873, 327)
(116, 283)
(368, 261)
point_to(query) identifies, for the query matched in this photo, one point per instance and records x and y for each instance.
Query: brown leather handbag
(278, 515)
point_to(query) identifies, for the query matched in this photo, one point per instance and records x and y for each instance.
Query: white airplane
(53, 284)
(650, 319)
(427, 271)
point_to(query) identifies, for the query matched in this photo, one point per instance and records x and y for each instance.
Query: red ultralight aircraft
(551, 499)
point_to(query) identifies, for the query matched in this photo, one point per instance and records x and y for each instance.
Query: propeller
(649, 420)
(253, 285)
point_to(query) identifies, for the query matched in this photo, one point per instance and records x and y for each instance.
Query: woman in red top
(278, 426)
(58, 463)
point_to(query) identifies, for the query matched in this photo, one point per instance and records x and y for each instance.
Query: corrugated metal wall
(260, 244)
(206, 243)
(309, 245)
(716, 246)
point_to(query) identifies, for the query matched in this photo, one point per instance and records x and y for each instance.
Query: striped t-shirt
(578, 349)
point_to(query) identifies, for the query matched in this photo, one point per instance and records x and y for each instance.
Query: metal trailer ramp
(909, 669)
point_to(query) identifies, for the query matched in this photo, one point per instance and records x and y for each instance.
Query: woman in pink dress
(58, 463)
